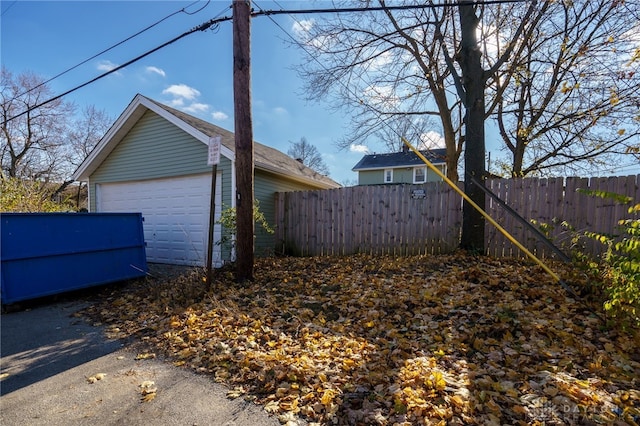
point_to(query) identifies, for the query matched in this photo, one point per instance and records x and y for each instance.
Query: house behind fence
(409, 219)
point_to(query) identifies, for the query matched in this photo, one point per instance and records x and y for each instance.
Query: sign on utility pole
(214, 151)
(243, 138)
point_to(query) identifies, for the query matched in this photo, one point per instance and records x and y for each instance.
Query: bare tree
(309, 155)
(32, 144)
(561, 86)
(83, 135)
(46, 144)
(569, 98)
(387, 68)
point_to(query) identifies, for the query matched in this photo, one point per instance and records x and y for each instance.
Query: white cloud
(106, 65)
(156, 70)
(382, 96)
(185, 98)
(219, 116)
(196, 107)
(431, 140)
(181, 91)
(301, 28)
(280, 111)
(302, 32)
(361, 149)
(177, 103)
(381, 61)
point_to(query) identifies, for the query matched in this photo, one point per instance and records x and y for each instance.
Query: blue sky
(193, 74)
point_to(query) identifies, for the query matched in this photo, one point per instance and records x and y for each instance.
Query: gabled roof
(399, 159)
(265, 158)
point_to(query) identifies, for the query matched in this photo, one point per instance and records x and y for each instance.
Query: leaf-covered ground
(417, 340)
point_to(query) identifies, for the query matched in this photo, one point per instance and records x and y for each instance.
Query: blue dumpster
(50, 253)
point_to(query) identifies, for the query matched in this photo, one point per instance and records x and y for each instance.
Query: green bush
(619, 265)
(228, 222)
(26, 196)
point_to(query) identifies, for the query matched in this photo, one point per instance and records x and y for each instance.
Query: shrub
(228, 222)
(619, 265)
(18, 195)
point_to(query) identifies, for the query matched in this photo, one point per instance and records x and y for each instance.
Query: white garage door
(176, 215)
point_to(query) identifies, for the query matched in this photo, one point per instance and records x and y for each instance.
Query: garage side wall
(265, 186)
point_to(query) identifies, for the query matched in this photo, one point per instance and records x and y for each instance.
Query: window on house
(419, 175)
(388, 176)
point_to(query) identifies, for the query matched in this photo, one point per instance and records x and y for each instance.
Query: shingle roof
(399, 159)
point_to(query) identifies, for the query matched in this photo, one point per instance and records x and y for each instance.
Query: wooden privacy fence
(560, 205)
(409, 219)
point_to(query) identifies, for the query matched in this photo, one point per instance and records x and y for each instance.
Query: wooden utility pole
(473, 80)
(244, 138)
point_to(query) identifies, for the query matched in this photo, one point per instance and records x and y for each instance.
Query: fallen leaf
(148, 390)
(96, 377)
(148, 397)
(147, 384)
(449, 339)
(145, 355)
(236, 392)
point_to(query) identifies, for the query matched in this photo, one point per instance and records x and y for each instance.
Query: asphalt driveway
(57, 369)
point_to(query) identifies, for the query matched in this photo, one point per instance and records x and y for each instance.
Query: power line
(195, 11)
(201, 27)
(216, 21)
(381, 8)
(315, 58)
(183, 10)
(9, 7)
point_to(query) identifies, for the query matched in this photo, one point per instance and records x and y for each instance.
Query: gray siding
(403, 175)
(432, 177)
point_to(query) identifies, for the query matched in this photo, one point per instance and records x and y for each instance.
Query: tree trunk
(473, 81)
(243, 139)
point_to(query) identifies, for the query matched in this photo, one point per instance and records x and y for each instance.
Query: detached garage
(153, 160)
(176, 215)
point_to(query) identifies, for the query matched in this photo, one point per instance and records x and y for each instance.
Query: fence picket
(387, 219)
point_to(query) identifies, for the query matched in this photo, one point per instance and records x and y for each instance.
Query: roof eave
(125, 122)
(295, 177)
(398, 166)
(132, 114)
